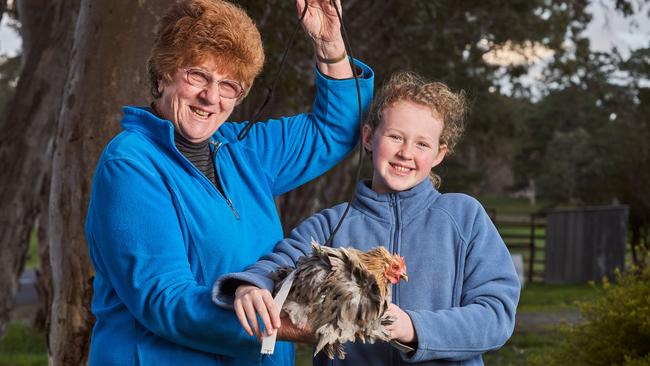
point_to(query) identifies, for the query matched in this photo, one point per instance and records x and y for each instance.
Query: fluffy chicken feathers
(342, 293)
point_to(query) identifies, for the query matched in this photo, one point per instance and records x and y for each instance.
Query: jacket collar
(144, 121)
(408, 203)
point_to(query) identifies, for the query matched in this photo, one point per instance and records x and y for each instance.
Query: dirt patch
(545, 321)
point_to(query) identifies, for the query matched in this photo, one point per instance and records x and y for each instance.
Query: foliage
(616, 328)
(447, 41)
(588, 135)
(588, 143)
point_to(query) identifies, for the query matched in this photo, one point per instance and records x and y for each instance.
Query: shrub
(616, 327)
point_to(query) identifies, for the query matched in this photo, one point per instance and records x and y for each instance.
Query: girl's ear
(442, 151)
(366, 137)
(160, 86)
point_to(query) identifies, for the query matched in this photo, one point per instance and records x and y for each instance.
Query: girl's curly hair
(410, 87)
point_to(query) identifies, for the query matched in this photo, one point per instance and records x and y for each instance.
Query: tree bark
(44, 272)
(28, 126)
(112, 43)
(336, 186)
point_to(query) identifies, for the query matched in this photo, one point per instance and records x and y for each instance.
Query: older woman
(178, 201)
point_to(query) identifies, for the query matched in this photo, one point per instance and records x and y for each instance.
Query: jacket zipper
(395, 246)
(216, 146)
(396, 249)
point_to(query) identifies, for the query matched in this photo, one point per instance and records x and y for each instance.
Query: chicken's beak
(404, 277)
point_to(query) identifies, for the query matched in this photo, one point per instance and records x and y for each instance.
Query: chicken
(342, 294)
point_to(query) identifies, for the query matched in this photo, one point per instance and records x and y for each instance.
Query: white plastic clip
(268, 342)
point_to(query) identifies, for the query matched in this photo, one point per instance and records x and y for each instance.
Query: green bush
(616, 327)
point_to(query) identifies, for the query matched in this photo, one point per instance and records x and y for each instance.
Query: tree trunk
(336, 186)
(44, 272)
(28, 126)
(112, 43)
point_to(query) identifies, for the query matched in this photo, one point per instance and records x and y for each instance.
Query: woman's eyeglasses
(230, 89)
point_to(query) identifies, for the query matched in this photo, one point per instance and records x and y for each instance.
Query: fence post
(531, 257)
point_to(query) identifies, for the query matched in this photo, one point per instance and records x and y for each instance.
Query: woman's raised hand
(321, 22)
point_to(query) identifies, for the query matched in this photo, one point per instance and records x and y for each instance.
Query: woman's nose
(211, 94)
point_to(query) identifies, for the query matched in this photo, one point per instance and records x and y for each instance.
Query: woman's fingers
(338, 6)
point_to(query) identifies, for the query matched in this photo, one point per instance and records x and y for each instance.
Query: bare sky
(609, 28)
(10, 42)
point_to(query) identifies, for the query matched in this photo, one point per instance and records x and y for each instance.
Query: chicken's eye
(394, 267)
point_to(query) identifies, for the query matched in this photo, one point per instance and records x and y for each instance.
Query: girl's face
(405, 146)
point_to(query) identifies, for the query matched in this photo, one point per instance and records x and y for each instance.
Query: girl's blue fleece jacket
(462, 291)
(160, 233)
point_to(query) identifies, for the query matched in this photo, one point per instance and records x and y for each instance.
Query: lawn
(32, 261)
(509, 205)
(539, 298)
(24, 346)
(520, 347)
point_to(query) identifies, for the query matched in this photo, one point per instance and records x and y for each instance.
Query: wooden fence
(569, 245)
(524, 234)
(585, 244)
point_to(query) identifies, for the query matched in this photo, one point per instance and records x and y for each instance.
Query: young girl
(463, 290)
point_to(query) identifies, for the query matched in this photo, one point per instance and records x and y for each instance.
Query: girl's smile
(405, 146)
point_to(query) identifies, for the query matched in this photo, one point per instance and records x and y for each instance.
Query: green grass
(23, 346)
(542, 297)
(509, 205)
(539, 298)
(303, 355)
(521, 346)
(33, 260)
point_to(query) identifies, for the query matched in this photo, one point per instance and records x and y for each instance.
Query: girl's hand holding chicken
(251, 300)
(401, 329)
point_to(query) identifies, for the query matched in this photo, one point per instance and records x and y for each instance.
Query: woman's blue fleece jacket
(462, 291)
(160, 233)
